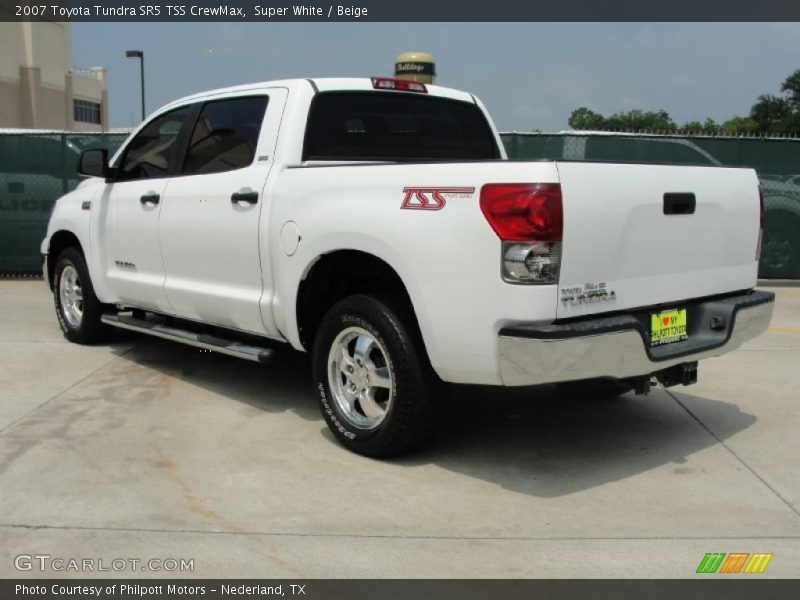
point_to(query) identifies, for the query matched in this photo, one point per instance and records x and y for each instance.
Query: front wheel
(77, 308)
(377, 391)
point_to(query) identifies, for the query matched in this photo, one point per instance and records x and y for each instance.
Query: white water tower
(415, 66)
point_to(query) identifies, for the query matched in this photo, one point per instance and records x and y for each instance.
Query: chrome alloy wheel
(360, 377)
(70, 294)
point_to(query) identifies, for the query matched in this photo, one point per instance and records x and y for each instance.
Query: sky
(530, 75)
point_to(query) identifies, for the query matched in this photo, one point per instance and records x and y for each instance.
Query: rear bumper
(619, 345)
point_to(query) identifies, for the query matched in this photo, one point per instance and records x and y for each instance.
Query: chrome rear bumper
(618, 346)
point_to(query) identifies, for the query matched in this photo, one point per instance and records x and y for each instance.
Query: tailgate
(632, 240)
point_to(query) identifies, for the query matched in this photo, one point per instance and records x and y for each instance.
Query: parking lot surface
(146, 449)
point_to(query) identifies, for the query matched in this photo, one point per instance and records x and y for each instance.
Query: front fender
(70, 216)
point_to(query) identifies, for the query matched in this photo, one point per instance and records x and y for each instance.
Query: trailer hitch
(683, 374)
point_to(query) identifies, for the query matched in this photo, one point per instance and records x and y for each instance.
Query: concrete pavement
(148, 449)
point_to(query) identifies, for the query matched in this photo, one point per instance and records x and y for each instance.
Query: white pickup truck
(377, 224)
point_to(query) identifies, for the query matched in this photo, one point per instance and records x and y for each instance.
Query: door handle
(679, 203)
(150, 199)
(249, 197)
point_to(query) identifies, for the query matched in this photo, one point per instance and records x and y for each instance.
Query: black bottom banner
(414, 589)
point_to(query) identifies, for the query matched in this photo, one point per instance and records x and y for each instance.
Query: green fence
(777, 162)
(35, 169)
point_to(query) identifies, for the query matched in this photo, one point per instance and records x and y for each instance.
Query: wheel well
(342, 273)
(60, 241)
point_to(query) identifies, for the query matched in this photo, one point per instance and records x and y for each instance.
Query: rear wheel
(599, 389)
(77, 308)
(376, 389)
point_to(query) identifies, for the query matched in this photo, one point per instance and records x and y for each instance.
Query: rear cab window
(388, 126)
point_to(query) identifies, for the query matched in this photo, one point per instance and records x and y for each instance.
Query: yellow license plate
(668, 326)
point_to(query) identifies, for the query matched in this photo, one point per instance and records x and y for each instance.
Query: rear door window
(225, 135)
(396, 126)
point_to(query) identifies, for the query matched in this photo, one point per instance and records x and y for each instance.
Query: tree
(771, 113)
(638, 120)
(737, 125)
(633, 120)
(583, 118)
(791, 87)
(709, 127)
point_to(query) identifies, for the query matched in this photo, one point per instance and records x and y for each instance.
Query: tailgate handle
(679, 203)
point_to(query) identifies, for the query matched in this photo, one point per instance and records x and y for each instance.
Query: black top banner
(401, 10)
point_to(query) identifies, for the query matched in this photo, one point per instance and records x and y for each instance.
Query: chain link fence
(776, 160)
(35, 169)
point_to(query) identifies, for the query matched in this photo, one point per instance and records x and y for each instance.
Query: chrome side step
(184, 336)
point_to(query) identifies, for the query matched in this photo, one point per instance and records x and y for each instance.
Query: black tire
(411, 415)
(780, 249)
(88, 329)
(597, 389)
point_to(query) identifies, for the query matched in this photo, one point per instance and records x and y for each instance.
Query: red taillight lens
(400, 85)
(529, 212)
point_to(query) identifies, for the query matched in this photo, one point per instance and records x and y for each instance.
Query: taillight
(400, 85)
(760, 222)
(524, 212)
(528, 218)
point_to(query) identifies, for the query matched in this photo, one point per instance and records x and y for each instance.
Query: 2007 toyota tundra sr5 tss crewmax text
(377, 224)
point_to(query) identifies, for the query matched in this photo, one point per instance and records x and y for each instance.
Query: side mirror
(94, 163)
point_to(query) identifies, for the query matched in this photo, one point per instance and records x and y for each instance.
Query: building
(39, 89)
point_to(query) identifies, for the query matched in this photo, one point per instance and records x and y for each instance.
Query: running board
(184, 336)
